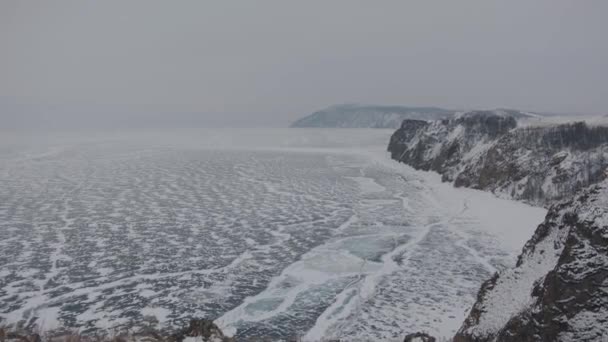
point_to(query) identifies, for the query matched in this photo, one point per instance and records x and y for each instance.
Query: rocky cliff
(199, 330)
(487, 150)
(359, 116)
(558, 290)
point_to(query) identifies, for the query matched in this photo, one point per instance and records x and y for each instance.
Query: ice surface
(273, 233)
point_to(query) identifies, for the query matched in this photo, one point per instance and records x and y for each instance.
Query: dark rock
(419, 337)
(203, 328)
(562, 276)
(485, 150)
(558, 290)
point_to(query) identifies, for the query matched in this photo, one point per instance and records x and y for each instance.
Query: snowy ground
(274, 233)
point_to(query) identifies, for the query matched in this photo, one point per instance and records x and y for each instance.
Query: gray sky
(264, 61)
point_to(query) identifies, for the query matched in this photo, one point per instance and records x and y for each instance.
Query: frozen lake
(272, 232)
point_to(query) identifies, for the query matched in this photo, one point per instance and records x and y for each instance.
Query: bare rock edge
(558, 290)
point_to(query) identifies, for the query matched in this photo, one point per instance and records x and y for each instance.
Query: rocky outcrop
(487, 150)
(444, 146)
(358, 116)
(419, 337)
(201, 330)
(558, 290)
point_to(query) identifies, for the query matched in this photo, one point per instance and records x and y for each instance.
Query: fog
(74, 64)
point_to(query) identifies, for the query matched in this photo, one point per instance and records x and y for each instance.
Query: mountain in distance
(369, 116)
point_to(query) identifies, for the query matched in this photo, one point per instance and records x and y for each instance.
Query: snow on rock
(360, 116)
(201, 330)
(488, 150)
(558, 290)
(419, 337)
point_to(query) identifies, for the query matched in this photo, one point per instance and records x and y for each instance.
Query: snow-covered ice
(273, 233)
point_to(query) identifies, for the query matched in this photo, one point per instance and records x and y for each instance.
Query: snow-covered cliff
(558, 290)
(359, 116)
(487, 150)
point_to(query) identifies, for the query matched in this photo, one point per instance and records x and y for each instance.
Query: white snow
(512, 292)
(551, 120)
(321, 223)
(49, 318)
(193, 339)
(368, 185)
(160, 313)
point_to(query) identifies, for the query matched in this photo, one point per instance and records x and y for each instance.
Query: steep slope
(485, 150)
(358, 116)
(559, 289)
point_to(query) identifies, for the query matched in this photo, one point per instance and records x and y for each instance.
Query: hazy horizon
(158, 185)
(127, 64)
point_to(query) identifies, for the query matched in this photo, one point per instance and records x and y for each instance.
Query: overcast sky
(273, 61)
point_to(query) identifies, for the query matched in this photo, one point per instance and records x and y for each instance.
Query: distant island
(369, 116)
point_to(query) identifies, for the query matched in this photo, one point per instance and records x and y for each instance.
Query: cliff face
(558, 290)
(485, 150)
(357, 116)
(445, 146)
